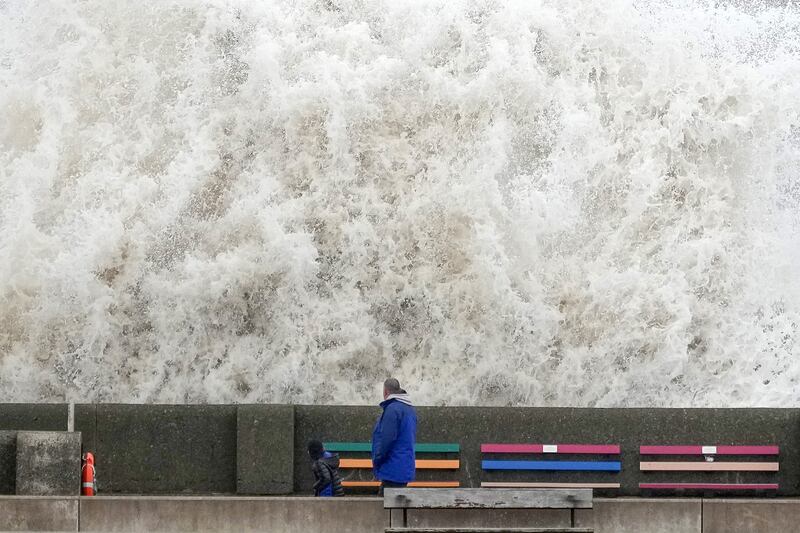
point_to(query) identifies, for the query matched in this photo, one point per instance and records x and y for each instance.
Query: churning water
(531, 202)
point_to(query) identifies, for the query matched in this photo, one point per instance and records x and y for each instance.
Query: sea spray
(500, 203)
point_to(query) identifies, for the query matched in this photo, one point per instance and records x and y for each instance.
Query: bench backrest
(361, 463)
(552, 449)
(405, 498)
(710, 452)
(656, 464)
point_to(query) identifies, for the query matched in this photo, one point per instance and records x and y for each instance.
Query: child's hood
(331, 459)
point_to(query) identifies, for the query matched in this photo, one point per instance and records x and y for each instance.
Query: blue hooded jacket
(393, 440)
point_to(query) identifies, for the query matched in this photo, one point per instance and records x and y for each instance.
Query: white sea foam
(562, 202)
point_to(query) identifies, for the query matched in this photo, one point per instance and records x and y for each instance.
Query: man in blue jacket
(393, 438)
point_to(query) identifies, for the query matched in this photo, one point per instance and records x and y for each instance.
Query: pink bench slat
(698, 450)
(604, 449)
(702, 466)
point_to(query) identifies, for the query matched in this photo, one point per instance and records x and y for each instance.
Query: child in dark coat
(325, 466)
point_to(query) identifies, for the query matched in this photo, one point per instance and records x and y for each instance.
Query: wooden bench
(709, 465)
(422, 464)
(399, 500)
(549, 466)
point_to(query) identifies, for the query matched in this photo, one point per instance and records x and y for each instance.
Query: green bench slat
(366, 447)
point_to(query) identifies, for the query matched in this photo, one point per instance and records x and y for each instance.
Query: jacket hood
(402, 396)
(331, 459)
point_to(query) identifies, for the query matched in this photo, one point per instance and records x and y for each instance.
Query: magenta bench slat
(603, 449)
(717, 450)
(710, 486)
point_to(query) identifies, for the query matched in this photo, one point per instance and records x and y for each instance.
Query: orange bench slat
(441, 464)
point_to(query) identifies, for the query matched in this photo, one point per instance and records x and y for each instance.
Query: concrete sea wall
(367, 515)
(260, 449)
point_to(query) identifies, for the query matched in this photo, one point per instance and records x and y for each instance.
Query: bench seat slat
(440, 464)
(583, 466)
(428, 484)
(426, 447)
(710, 486)
(698, 466)
(546, 485)
(698, 450)
(410, 498)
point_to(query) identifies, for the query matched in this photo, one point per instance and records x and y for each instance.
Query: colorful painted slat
(421, 484)
(698, 466)
(440, 464)
(603, 466)
(447, 447)
(708, 450)
(546, 485)
(709, 486)
(602, 449)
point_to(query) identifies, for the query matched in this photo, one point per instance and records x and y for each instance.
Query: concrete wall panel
(33, 416)
(8, 462)
(233, 514)
(488, 518)
(86, 423)
(48, 463)
(43, 513)
(166, 449)
(751, 516)
(630, 428)
(265, 449)
(639, 515)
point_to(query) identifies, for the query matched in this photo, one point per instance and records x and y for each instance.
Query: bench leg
(397, 518)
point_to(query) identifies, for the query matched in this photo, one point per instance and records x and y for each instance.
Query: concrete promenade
(366, 515)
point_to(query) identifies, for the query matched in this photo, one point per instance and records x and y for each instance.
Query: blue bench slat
(594, 466)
